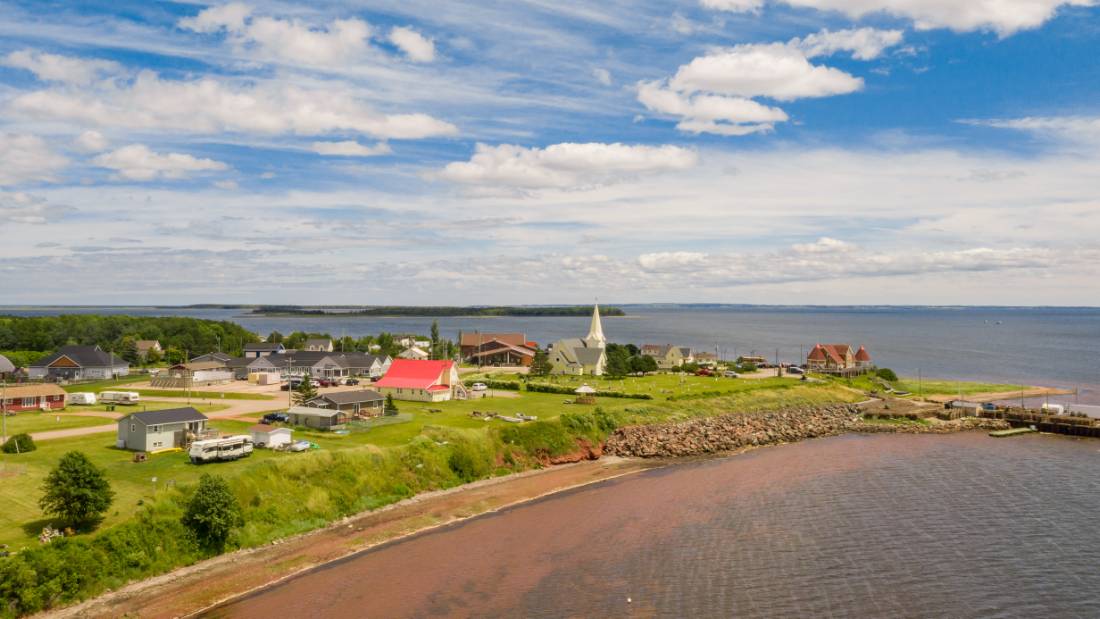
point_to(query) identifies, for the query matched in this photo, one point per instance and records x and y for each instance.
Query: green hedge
(544, 388)
(503, 385)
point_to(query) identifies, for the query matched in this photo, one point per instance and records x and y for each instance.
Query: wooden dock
(1012, 432)
(1043, 422)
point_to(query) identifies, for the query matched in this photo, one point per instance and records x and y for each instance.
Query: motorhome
(119, 397)
(220, 449)
(82, 398)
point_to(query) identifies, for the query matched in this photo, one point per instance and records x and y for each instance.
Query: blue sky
(743, 151)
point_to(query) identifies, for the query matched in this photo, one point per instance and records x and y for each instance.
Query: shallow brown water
(869, 526)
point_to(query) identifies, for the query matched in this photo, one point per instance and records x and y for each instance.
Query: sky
(826, 152)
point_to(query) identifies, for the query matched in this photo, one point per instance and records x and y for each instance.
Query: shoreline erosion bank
(208, 584)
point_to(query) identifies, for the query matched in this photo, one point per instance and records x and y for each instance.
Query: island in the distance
(419, 310)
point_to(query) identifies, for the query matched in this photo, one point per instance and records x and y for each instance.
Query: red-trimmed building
(22, 398)
(838, 358)
(421, 381)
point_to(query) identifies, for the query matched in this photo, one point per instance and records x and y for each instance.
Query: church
(581, 357)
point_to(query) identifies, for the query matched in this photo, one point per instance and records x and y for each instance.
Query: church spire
(595, 337)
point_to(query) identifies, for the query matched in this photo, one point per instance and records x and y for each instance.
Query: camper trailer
(119, 397)
(220, 449)
(1054, 409)
(82, 398)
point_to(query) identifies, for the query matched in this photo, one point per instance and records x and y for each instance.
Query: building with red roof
(838, 358)
(421, 381)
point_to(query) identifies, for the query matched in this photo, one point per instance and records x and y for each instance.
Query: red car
(327, 382)
(704, 372)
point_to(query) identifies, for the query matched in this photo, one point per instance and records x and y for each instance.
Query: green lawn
(201, 395)
(660, 386)
(926, 386)
(69, 417)
(21, 476)
(102, 385)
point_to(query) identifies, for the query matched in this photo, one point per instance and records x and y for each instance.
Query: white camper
(82, 397)
(119, 397)
(220, 449)
(1054, 409)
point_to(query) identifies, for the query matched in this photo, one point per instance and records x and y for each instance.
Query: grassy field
(659, 386)
(202, 395)
(927, 386)
(101, 385)
(71, 417)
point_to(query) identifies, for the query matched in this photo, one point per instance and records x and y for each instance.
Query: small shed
(970, 408)
(319, 418)
(271, 437)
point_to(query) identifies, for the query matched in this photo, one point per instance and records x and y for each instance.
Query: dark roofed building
(470, 344)
(160, 430)
(79, 363)
(362, 402)
(214, 356)
(262, 349)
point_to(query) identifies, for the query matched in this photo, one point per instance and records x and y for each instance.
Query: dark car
(351, 381)
(275, 418)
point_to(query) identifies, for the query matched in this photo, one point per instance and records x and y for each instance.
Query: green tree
(127, 349)
(305, 391)
(152, 357)
(19, 444)
(212, 513)
(391, 407)
(76, 491)
(618, 362)
(540, 365)
(274, 337)
(643, 364)
(435, 340)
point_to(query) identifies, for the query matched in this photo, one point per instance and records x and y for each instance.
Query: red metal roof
(414, 373)
(862, 354)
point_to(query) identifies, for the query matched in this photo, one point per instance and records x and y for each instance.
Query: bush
(212, 513)
(19, 444)
(469, 462)
(887, 374)
(503, 385)
(76, 490)
(540, 438)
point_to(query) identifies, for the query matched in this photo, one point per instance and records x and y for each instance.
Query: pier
(1043, 422)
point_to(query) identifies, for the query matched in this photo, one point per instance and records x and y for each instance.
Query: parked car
(479, 387)
(351, 381)
(704, 372)
(275, 417)
(298, 446)
(731, 374)
(989, 406)
(325, 382)
(794, 369)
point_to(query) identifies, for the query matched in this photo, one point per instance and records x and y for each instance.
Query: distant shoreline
(402, 311)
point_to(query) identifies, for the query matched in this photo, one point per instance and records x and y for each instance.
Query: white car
(479, 387)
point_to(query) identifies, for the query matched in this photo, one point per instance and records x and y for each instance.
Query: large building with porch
(79, 363)
(421, 381)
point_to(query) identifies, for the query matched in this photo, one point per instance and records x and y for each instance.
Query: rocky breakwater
(732, 432)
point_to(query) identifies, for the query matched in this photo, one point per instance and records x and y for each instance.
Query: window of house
(133, 427)
(30, 401)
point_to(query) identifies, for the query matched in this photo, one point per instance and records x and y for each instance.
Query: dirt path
(234, 409)
(992, 396)
(189, 590)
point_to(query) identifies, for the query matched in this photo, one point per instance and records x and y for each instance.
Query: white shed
(271, 437)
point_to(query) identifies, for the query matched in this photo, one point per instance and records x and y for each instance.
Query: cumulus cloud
(1005, 17)
(350, 148)
(1074, 129)
(289, 40)
(138, 163)
(90, 142)
(215, 105)
(55, 68)
(23, 208)
(715, 93)
(863, 43)
(416, 46)
(27, 158)
(566, 165)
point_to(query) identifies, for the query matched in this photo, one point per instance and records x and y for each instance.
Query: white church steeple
(595, 338)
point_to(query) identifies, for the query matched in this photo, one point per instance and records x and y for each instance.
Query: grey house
(362, 402)
(163, 429)
(78, 363)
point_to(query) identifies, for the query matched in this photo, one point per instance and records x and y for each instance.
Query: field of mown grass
(926, 386)
(69, 417)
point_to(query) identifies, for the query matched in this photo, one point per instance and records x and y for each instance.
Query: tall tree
(435, 339)
(540, 365)
(213, 512)
(305, 391)
(76, 491)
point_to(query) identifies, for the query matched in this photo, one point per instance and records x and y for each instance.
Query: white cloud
(602, 76)
(341, 41)
(137, 162)
(22, 208)
(565, 165)
(55, 68)
(90, 142)
(864, 43)
(1072, 129)
(350, 148)
(714, 93)
(27, 158)
(227, 185)
(1005, 17)
(415, 45)
(211, 105)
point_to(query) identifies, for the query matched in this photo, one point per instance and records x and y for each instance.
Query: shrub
(540, 438)
(503, 385)
(887, 374)
(19, 444)
(468, 461)
(76, 490)
(212, 513)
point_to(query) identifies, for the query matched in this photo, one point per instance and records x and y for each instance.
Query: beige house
(581, 357)
(668, 356)
(421, 381)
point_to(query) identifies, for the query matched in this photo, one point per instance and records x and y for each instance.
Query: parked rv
(1054, 409)
(119, 397)
(83, 397)
(220, 449)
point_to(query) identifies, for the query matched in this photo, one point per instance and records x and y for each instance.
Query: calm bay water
(1048, 346)
(865, 526)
